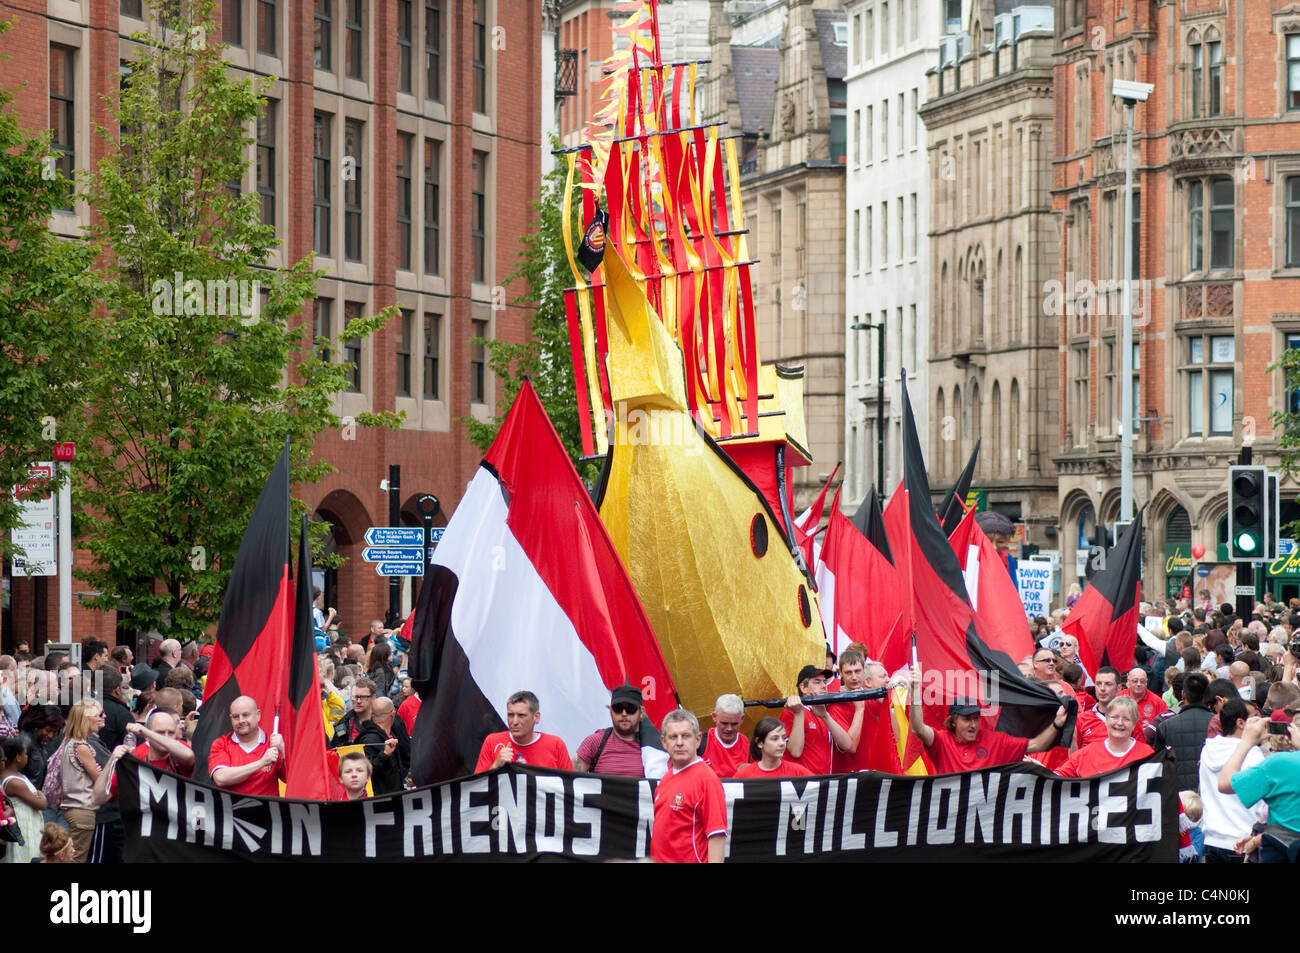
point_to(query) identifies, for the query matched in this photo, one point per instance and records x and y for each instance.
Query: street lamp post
(880, 398)
(1131, 94)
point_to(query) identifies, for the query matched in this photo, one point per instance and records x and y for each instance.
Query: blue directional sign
(393, 554)
(435, 533)
(395, 536)
(400, 569)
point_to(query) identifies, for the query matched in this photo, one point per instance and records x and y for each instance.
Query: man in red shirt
(1150, 705)
(246, 761)
(522, 741)
(855, 676)
(724, 748)
(1117, 749)
(1090, 726)
(690, 825)
(813, 733)
(964, 744)
(163, 748)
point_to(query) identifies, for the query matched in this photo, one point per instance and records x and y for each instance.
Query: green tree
(193, 394)
(47, 294)
(545, 358)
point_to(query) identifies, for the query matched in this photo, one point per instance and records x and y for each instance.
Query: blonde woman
(333, 706)
(80, 770)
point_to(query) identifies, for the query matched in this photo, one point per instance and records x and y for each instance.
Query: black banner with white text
(1016, 812)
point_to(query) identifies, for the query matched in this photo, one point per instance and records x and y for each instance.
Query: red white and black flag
(956, 657)
(527, 593)
(1105, 619)
(256, 620)
(954, 503)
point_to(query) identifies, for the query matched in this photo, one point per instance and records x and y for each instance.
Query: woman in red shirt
(1117, 749)
(767, 753)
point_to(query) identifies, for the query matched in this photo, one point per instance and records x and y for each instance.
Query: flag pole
(830, 698)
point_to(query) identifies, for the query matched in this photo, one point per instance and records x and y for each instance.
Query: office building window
(403, 385)
(478, 363)
(268, 40)
(353, 145)
(912, 245)
(867, 138)
(132, 8)
(432, 352)
(1293, 221)
(479, 53)
(404, 140)
(478, 215)
(1293, 71)
(1215, 230)
(266, 129)
(1209, 383)
(322, 150)
(884, 233)
(63, 113)
(352, 349)
(232, 21)
(1079, 394)
(324, 331)
(354, 32)
(433, 50)
(404, 46)
(857, 137)
(323, 39)
(432, 210)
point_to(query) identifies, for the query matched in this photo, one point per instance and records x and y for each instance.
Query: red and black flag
(955, 656)
(256, 618)
(952, 508)
(1105, 619)
(308, 772)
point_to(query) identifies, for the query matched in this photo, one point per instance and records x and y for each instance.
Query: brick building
(1216, 160)
(439, 104)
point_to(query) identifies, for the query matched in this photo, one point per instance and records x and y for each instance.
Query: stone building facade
(1216, 159)
(993, 352)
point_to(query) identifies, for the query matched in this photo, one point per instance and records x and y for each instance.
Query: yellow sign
(1176, 564)
(1285, 564)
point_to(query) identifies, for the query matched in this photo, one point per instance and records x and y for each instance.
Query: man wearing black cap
(143, 680)
(964, 744)
(617, 749)
(813, 732)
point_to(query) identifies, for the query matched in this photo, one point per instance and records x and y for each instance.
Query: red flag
(1105, 618)
(252, 642)
(857, 586)
(954, 654)
(805, 526)
(308, 771)
(999, 614)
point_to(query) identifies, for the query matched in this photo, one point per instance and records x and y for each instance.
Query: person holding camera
(1275, 781)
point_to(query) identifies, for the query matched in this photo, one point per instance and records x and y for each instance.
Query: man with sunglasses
(616, 749)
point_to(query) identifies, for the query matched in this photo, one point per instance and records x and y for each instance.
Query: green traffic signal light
(1247, 543)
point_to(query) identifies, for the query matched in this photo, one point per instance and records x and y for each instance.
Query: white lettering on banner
(512, 811)
(1074, 804)
(1019, 807)
(550, 793)
(419, 819)
(645, 817)
(375, 817)
(848, 839)
(982, 808)
(733, 792)
(470, 842)
(1109, 804)
(583, 814)
(798, 806)
(828, 830)
(1148, 800)
(157, 789)
(75, 906)
(944, 798)
(882, 837)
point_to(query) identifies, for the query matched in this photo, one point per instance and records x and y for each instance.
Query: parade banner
(1016, 812)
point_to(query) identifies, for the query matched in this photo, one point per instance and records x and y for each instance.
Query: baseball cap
(626, 693)
(812, 671)
(143, 677)
(964, 706)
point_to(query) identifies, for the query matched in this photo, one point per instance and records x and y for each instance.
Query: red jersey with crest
(545, 751)
(817, 745)
(689, 809)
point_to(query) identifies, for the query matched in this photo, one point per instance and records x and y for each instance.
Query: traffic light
(1248, 513)
(1273, 495)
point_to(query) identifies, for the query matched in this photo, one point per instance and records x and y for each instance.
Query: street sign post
(393, 554)
(394, 536)
(400, 569)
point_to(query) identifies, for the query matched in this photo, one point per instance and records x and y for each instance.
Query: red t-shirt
(165, 763)
(227, 752)
(1097, 759)
(1051, 759)
(989, 749)
(544, 751)
(1091, 727)
(1086, 701)
(723, 760)
(407, 711)
(689, 809)
(816, 755)
(787, 769)
(842, 762)
(1149, 707)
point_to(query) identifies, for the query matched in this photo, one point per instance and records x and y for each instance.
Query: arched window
(937, 452)
(1017, 298)
(998, 322)
(958, 432)
(1013, 431)
(976, 418)
(941, 322)
(995, 465)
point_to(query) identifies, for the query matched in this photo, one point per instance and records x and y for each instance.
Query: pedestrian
(80, 769)
(28, 801)
(690, 809)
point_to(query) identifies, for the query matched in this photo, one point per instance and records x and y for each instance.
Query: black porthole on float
(758, 535)
(805, 610)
